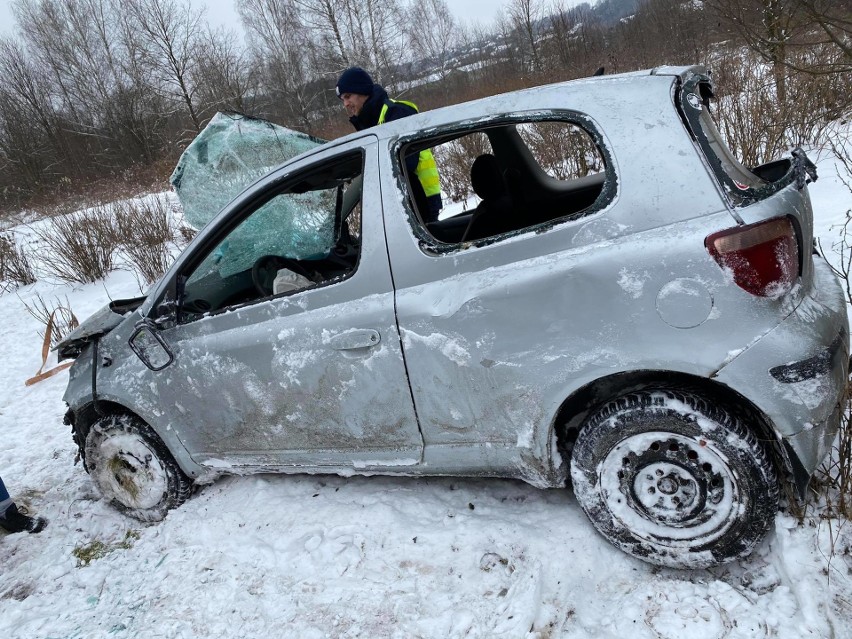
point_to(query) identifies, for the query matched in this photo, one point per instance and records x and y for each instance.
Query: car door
(310, 377)
(491, 332)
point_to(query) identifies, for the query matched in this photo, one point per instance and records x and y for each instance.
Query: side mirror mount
(150, 347)
(165, 313)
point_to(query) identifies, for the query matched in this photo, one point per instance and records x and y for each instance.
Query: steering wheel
(265, 268)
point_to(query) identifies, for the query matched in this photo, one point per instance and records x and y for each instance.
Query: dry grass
(186, 234)
(63, 318)
(87, 553)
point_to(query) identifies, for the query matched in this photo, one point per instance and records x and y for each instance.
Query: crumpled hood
(100, 323)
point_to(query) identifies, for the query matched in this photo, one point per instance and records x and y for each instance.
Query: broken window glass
(229, 154)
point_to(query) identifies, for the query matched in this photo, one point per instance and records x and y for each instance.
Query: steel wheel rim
(131, 472)
(670, 488)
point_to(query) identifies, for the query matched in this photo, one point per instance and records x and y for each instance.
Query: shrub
(79, 247)
(755, 123)
(836, 473)
(147, 234)
(15, 267)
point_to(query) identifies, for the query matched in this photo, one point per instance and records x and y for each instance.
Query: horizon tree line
(112, 90)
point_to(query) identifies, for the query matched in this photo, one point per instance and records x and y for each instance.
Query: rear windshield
(742, 186)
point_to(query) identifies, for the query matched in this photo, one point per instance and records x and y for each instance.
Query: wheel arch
(576, 408)
(83, 417)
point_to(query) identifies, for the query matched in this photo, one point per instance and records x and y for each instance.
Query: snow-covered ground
(309, 557)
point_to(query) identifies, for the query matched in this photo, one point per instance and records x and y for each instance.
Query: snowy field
(313, 557)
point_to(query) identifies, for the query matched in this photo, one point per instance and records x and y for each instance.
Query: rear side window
(504, 179)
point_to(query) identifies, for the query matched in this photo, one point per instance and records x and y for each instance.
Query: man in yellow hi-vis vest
(368, 104)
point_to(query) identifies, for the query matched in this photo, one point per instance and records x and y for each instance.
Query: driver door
(311, 377)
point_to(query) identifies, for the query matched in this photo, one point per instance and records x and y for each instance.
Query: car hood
(100, 323)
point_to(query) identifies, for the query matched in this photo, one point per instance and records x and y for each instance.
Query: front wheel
(674, 480)
(133, 468)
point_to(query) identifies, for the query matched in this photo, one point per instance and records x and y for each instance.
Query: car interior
(271, 250)
(519, 175)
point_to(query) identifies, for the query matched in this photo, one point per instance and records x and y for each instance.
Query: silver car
(608, 299)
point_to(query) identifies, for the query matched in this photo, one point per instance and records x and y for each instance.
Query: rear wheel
(674, 480)
(133, 468)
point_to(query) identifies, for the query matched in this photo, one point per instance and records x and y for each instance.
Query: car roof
(527, 99)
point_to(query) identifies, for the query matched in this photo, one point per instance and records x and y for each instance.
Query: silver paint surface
(477, 348)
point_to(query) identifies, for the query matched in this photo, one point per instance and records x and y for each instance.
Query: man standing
(13, 521)
(368, 104)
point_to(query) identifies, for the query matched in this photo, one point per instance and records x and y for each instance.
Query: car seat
(495, 212)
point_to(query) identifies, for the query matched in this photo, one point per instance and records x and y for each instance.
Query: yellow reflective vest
(427, 170)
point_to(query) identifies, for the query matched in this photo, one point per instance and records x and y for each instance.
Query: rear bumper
(797, 374)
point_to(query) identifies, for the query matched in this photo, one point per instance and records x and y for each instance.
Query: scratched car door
(307, 378)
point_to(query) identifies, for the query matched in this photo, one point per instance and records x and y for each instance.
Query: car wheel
(133, 468)
(674, 480)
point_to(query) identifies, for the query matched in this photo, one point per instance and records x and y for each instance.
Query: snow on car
(625, 304)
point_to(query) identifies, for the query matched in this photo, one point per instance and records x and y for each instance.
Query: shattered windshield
(229, 154)
(279, 227)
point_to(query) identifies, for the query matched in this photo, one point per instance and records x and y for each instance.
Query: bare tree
(225, 79)
(781, 31)
(169, 36)
(562, 25)
(31, 138)
(810, 36)
(767, 26)
(525, 16)
(576, 38)
(83, 52)
(379, 25)
(833, 19)
(434, 34)
(283, 49)
(328, 19)
(368, 33)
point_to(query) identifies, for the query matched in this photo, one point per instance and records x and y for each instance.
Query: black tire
(133, 469)
(674, 480)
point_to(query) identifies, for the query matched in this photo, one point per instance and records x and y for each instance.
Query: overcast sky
(222, 12)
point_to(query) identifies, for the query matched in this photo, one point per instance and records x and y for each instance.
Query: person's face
(353, 102)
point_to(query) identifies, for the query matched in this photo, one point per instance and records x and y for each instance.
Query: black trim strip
(819, 364)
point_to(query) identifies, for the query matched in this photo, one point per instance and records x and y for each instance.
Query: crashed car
(622, 306)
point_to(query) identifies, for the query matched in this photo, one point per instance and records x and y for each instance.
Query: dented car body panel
(420, 353)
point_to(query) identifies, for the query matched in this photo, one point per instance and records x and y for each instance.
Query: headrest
(486, 178)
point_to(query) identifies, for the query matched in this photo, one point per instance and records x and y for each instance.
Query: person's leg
(5, 500)
(13, 521)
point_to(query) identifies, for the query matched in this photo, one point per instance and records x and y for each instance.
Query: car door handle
(357, 338)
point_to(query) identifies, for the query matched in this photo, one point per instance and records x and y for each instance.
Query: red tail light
(763, 258)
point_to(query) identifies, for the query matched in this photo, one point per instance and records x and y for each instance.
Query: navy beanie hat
(355, 80)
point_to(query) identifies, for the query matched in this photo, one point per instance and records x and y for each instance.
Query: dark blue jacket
(372, 108)
(369, 117)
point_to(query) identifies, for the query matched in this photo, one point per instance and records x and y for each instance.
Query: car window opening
(503, 179)
(307, 235)
(741, 185)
